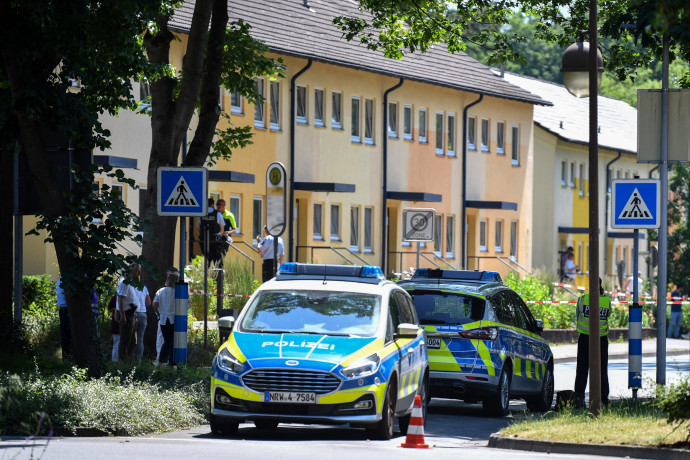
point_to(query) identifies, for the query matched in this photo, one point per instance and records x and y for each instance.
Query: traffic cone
(415, 431)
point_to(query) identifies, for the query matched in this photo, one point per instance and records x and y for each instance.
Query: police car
(329, 344)
(483, 341)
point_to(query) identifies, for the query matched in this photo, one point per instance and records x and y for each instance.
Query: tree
(679, 222)
(37, 75)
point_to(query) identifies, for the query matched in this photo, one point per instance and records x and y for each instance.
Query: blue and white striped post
(635, 327)
(181, 307)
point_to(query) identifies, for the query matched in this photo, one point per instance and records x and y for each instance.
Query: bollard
(635, 348)
(181, 308)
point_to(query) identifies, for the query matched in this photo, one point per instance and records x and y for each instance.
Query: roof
(288, 27)
(568, 118)
(476, 288)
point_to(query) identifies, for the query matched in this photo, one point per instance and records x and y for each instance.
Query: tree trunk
(6, 235)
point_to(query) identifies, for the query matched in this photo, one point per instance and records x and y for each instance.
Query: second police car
(483, 341)
(325, 344)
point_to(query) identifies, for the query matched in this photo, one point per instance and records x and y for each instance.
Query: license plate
(290, 397)
(433, 342)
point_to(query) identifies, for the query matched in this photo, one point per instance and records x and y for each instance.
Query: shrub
(675, 401)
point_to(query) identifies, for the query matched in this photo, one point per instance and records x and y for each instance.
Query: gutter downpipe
(384, 207)
(606, 213)
(463, 223)
(291, 201)
(650, 268)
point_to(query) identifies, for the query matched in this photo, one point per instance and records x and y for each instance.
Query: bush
(675, 401)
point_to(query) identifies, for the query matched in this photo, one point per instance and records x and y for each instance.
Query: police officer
(212, 226)
(583, 345)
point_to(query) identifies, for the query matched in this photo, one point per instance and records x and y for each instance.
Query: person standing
(213, 228)
(164, 305)
(676, 314)
(582, 368)
(266, 246)
(144, 301)
(230, 226)
(127, 303)
(65, 329)
(629, 284)
(564, 258)
(570, 269)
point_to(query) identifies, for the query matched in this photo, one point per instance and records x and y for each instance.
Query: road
(454, 430)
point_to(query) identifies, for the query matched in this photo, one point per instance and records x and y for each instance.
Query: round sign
(275, 176)
(419, 222)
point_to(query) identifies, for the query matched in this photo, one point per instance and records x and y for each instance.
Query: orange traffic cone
(415, 431)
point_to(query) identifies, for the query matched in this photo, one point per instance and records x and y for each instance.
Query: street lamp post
(582, 68)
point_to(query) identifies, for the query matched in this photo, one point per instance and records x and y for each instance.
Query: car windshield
(441, 307)
(314, 312)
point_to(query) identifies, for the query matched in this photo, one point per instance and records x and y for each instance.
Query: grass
(622, 423)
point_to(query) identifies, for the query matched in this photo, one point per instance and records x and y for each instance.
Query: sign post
(636, 204)
(418, 225)
(275, 206)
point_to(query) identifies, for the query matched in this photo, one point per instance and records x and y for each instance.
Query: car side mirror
(407, 331)
(540, 325)
(225, 324)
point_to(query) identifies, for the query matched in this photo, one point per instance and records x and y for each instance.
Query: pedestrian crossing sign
(182, 191)
(635, 203)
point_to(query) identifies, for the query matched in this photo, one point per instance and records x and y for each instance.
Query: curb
(559, 447)
(572, 359)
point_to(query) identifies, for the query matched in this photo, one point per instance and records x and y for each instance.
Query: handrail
(251, 259)
(311, 257)
(336, 251)
(249, 246)
(491, 257)
(516, 263)
(445, 261)
(355, 254)
(507, 265)
(434, 263)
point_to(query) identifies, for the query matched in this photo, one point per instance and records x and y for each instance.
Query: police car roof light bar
(360, 273)
(467, 275)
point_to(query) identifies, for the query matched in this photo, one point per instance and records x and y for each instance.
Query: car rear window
(439, 307)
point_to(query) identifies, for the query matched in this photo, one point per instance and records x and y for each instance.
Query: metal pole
(18, 243)
(663, 228)
(418, 250)
(183, 253)
(206, 249)
(594, 340)
(635, 326)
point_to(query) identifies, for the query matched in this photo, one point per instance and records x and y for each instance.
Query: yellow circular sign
(275, 176)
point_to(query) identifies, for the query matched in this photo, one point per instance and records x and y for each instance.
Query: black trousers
(128, 336)
(267, 270)
(65, 333)
(168, 331)
(582, 369)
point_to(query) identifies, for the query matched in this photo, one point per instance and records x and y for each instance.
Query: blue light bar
(466, 275)
(360, 273)
(289, 267)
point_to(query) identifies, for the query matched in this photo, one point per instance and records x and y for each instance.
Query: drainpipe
(650, 269)
(606, 213)
(384, 212)
(291, 200)
(463, 196)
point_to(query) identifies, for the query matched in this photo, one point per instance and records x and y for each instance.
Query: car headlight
(362, 368)
(228, 362)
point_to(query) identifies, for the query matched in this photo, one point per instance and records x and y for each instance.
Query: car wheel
(268, 425)
(497, 403)
(384, 429)
(543, 401)
(224, 427)
(404, 422)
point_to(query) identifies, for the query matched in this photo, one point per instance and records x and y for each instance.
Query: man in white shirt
(570, 269)
(266, 251)
(629, 284)
(127, 305)
(142, 320)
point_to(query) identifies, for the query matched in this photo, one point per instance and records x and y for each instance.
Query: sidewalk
(568, 353)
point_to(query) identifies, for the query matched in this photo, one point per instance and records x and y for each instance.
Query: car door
(528, 368)
(538, 347)
(401, 365)
(412, 351)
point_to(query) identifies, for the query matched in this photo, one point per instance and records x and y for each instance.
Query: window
(500, 137)
(318, 219)
(513, 239)
(302, 104)
(117, 191)
(259, 107)
(572, 174)
(392, 119)
(422, 125)
(144, 95)
(564, 172)
(336, 110)
(335, 222)
(439, 133)
(516, 146)
(235, 209)
(450, 237)
(482, 235)
(354, 228)
(235, 102)
(471, 133)
(369, 121)
(485, 135)
(582, 180)
(368, 228)
(275, 104)
(356, 119)
(318, 107)
(618, 174)
(257, 217)
(451, 135)
(438, 232)
(626, 175)
(407, 122)
(499, 236)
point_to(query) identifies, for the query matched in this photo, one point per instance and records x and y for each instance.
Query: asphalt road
(453, 430)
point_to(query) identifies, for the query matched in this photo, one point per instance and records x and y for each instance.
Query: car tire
(496, 405)
(383, 430)
(404, 422)
(224, 427)
(543, 401)
(267, 425)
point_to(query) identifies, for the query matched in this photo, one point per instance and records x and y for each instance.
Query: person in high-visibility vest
(583, 345)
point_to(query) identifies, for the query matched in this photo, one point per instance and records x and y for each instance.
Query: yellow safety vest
(583, 315)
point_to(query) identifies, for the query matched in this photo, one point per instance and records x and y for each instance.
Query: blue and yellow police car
(327, 344)
(483, 342)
